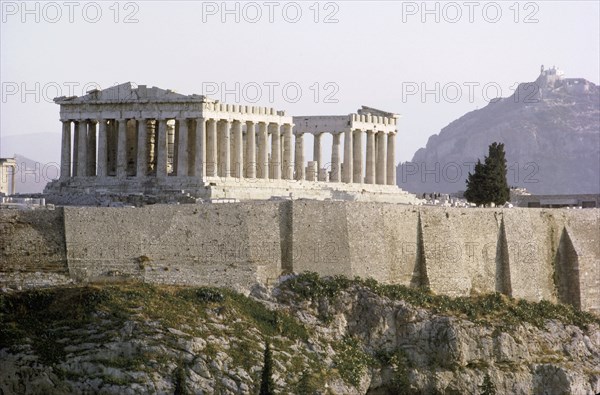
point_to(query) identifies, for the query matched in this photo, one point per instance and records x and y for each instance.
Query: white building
(154, 141)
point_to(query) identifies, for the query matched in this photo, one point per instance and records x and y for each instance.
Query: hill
(550, 129)
(328, 336)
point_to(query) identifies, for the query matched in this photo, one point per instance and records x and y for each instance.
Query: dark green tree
(487, 184)
(477, 188)
(487, 387)
(496, 167)
(266, 381)
(180, 379)
(306, 385)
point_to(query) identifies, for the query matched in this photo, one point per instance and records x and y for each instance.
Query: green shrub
(351, 360)
(489, 308)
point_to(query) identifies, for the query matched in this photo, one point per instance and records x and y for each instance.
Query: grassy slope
(46, 320)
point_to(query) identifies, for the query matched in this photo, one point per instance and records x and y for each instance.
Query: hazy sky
(306, 57)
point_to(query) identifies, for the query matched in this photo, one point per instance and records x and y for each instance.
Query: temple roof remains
(127, 92)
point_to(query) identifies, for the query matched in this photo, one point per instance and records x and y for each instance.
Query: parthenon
(128, 139)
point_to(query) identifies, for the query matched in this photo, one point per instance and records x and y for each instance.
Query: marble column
(225, 149)
(317, 151)
(335, 158)
(263, 155)
(171, 152)
(391, 159)
(370, 171)
(238, 150)
(348, 147)
(122, 148)
(152, 138)
(200, 151)
(357, 165)
(102, 170)
(142, 148)
(161, 149)
(131, 146)
(288, 169)
(250, 150)
(182, 148)
(376, 155)
(82, 149)
(111, 148)
(13, 180)
(75, 148)
(91, 148)
(275, 151)
(65, 151)
(211, 148)
(381, 158)
(299, 157)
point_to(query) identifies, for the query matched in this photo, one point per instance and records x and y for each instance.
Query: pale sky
(369, 53)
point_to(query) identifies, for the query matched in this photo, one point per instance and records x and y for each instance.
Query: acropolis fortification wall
(525, 253)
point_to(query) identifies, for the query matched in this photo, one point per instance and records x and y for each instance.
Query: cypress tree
(266, 381)
(477, 185)
(496, 166)
(488, 182)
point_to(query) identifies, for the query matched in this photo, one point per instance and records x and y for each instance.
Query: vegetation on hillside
(490, 308)
(49, 320)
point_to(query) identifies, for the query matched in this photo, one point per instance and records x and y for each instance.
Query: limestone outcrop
(332, 336)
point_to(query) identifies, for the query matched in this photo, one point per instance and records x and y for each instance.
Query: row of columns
(219, 148)
(380, 161)
(380, 167)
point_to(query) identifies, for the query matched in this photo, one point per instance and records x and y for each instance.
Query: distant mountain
(551, 131)
(38, 159)
(32, 176)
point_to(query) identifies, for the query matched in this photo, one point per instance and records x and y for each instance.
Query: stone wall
(526, 253)
(32, 248)
(233, 245)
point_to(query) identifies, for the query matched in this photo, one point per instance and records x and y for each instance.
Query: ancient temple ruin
(8, 170)
(128, 139)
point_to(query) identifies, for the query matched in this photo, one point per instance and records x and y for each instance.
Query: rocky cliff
(328, 336)
(551, 131)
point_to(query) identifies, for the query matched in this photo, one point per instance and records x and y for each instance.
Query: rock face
(331, 336)
(551, 132)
